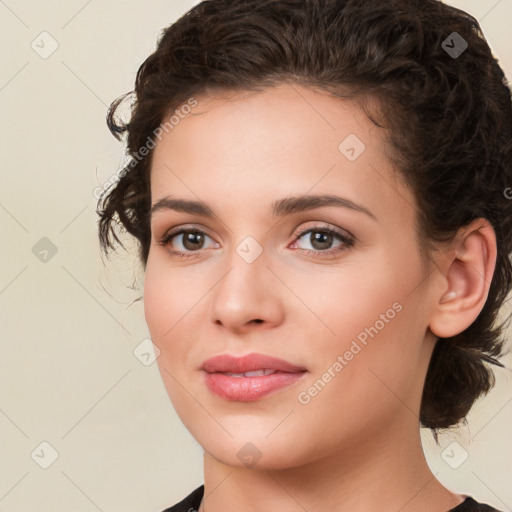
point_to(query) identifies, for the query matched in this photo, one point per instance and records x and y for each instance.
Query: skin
(355, 446)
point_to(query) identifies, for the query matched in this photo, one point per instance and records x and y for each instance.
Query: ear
(468, 274)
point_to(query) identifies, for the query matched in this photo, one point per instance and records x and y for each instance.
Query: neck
(389, 474)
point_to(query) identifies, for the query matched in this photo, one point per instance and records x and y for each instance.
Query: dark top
(193, 500)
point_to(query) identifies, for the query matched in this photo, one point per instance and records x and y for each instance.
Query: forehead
(284, 140)
(286, 115)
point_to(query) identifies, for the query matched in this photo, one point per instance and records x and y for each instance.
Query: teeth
(255, 373)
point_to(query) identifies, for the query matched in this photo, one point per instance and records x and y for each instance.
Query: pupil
(194, 239)
(316, 238)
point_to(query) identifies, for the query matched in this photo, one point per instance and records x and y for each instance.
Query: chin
(254, 452)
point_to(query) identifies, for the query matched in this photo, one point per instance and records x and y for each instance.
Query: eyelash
(347, 241)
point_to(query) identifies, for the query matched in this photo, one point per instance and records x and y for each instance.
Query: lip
(248, 363)
(248, 389)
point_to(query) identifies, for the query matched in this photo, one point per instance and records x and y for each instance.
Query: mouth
(249, 378)
(255, 373)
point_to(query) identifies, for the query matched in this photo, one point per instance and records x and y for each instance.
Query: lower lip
(249, 389)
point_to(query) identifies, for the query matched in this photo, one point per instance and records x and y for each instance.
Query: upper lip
(248, 363)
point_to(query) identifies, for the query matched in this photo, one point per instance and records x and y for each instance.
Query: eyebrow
(280, 208)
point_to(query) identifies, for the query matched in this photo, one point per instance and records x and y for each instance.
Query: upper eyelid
(178, 230)
(318, 225)
(323, 227)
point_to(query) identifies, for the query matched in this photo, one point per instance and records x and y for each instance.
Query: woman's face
(336, 289)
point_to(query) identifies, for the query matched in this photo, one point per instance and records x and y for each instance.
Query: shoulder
(190, 503)
(470, 505)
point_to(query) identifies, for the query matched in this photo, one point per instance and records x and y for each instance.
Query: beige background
(68, 374)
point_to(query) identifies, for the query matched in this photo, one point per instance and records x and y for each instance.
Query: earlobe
(468, 275)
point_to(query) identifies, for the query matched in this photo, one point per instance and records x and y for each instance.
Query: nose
(247, 297)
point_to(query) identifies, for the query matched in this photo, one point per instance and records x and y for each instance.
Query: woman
(317, 188)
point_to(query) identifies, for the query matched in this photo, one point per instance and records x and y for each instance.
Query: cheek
(355, 299)
(175, 302)
(168, 296)
(165, 314)
(371, 319)
(164, 310)
(157, 294)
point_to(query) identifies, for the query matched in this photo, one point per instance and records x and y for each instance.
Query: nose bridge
(247, 291)
(243, 284)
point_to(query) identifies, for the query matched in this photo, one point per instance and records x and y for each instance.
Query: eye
(321, 239)
(184, 242)
(187, 240)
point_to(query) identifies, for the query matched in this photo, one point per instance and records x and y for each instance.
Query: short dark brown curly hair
(448, 118)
